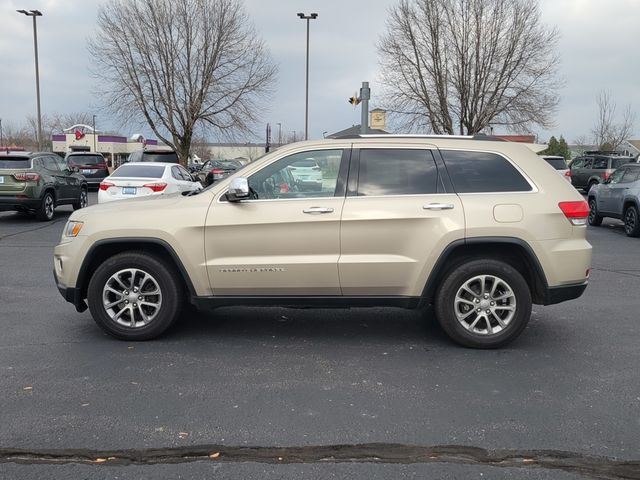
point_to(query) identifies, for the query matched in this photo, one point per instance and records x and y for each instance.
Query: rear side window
(618, 162)
(397, 172)
(479, 172)
(600, 164)
(139, 171)
(15, 162)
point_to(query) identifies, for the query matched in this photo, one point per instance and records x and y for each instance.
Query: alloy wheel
(630, 220)
(132, 298)
(48, 206)
(485, 305)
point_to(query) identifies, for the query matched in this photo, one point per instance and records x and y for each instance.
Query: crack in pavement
(48, 224)
(628, 272)
(588, 465)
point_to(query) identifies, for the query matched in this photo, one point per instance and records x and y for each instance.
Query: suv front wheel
(134, 296)
(483, 304)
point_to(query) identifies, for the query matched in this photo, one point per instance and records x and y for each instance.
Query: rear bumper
(70, 294)
(14, 202)
(563, 293)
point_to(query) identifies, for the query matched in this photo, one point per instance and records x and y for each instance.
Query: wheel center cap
(484, 304)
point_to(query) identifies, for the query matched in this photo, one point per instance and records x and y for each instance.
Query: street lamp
(306, 105)
(1, 143)
(34, 14)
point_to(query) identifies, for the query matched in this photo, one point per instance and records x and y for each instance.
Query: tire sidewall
(456, 277)
(636, 230)
(594, 218)
(42, 212)
(171, 296)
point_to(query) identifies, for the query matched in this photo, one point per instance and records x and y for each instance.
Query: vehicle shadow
(348, 327)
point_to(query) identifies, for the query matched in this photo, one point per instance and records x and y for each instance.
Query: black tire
(83, 200)
(47, 207)
(594, 219)
(171, 295)
(520, 299)
(631, 221)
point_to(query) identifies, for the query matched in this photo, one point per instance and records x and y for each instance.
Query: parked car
(560, 164)
(153, 155)
(481, 229)
(595, 167)
(91, 165)
(39, 182)
(307, 173)
(141, 179)
(618, 197)
(214, 170)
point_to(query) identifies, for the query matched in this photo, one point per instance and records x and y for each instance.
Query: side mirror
(238, 189)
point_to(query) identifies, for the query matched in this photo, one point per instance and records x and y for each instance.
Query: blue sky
(598, 49)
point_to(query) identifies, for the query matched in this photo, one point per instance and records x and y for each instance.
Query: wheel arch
(104, 249)
(514, 251)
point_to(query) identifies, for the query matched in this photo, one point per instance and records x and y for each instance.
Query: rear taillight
(104, 186)
(567, 173)
(606, 175)
(155, 187)
(217, 171)
(576, 212)
(26, 177)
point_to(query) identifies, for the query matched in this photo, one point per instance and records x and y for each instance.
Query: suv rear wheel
(134, 296)
(47, 207)
(83, 200)
(594, 219)
(483, 303)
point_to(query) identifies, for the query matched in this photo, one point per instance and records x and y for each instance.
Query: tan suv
(479, 228)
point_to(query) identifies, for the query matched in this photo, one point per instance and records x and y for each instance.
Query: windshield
(139, 171)
(85, 159)
(557, 163)
(15, 162)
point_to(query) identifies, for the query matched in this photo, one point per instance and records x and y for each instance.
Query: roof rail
(606, 152)
(477, 136)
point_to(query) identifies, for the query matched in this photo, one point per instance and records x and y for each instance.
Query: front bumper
(71, 294)
(563, 293)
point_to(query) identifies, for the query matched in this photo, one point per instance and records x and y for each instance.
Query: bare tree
(607, 134)
(460, 66)
(182, 64)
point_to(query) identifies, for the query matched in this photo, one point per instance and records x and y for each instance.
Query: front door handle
(438, 206)
(317, 210)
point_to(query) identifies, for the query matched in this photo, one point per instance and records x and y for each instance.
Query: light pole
(94, 134)
(279, 134)
(312, 16)
(1, 143)
(34, 14)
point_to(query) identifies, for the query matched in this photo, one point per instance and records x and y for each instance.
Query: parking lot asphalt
(561, 402)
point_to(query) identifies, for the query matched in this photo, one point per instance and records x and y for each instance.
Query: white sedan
(140, 179)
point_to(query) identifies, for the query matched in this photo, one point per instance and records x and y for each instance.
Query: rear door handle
(317, 210)
(438, 206)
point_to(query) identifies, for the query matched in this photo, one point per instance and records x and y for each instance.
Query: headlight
(73, 229)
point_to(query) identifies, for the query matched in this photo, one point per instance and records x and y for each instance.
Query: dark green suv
(38, 182)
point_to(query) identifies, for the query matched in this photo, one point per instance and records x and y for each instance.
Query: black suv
(38, 182)
(91, 165)
(596, 167)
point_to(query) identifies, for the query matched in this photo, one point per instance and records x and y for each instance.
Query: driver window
(302, 175)
(617, 176)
